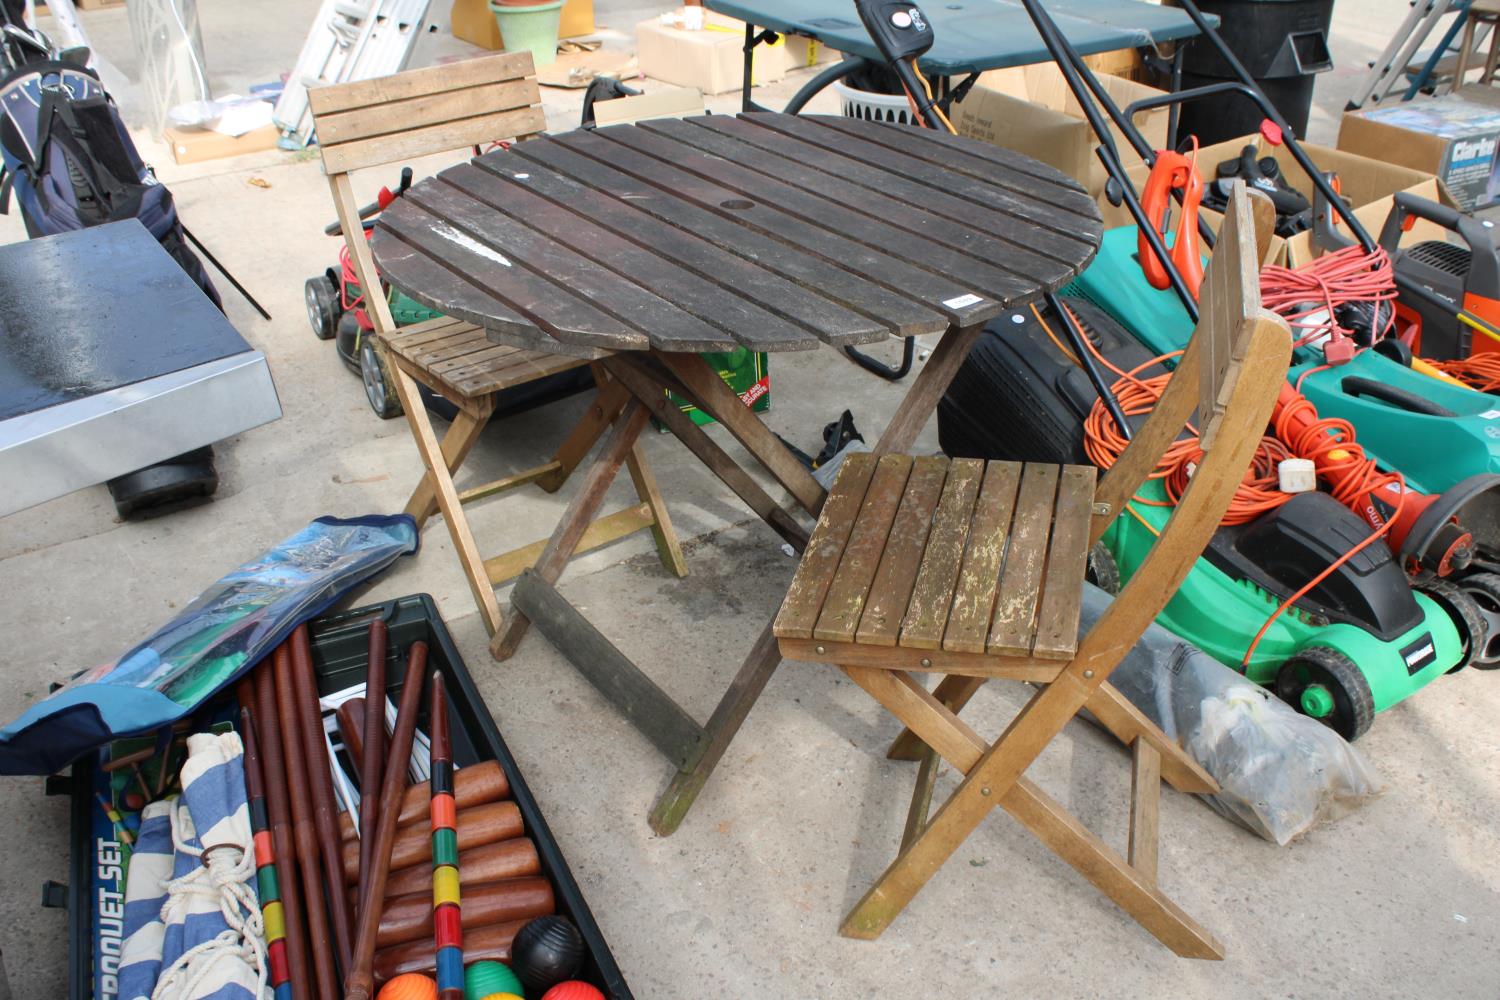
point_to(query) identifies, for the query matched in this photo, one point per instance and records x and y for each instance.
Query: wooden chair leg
(1130, 726)
(576, 517)
(446, 497)
(608, 400)
(1490, 61)
(953, 691)
(1462, 68)
(942, 730)
(1145, 802)
(462, 435)
(667, 546)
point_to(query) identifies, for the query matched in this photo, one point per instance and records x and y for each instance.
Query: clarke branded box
(1455, 137)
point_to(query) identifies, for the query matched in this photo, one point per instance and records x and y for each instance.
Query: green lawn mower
(1361, 641)
(1443, 438)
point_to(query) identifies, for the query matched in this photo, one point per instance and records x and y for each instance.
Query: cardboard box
(1125, 63)
(473, 22)
(198, 144)
(1455, 137)
(1368, 185)
(1031, 110)
(713, 59)
(669, 102)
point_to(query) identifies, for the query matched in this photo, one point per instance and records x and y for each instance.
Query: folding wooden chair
(434, 110)
(974, 570)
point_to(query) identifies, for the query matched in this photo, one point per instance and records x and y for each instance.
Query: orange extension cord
(1477, 371)
(1328, 442)
(1306, 297)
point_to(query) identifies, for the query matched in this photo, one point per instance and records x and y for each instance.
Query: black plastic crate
(339, 644)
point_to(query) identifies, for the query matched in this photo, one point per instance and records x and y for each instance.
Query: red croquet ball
(411, 986)
(573, 989)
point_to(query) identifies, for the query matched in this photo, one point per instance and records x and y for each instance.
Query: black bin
(1282, 44)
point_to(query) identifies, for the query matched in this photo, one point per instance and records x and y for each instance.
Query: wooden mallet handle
(360, 983)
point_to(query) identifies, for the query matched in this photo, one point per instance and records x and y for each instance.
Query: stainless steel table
(112, 359)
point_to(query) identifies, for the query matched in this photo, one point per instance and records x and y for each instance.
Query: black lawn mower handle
(1354, 385)
(1484, 262)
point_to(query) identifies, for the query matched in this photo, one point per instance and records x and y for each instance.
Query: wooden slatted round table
(641, 245)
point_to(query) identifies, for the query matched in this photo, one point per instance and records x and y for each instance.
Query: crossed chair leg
(994, 777)
(436, 492)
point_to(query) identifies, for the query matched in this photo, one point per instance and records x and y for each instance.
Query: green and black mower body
(1359, 643)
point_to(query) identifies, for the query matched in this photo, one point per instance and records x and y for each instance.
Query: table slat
(1011, 236)
(710, 318)
(430, 282)
(671, 185)
(998, 171)
(650, 305)
(901, 313)
(1069, 229)
(752, 187)
(551, 307)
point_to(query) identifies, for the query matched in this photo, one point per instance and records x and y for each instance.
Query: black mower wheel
(379, 389)
(1326, 685)
(347, 340)
(1477, 634)
(1103, 571)
(1484, 590)
(322, 298)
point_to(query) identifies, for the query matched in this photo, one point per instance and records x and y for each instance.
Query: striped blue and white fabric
(193, 927)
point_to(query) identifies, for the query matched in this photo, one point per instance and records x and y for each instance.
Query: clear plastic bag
(1280, 772)
(224, 631)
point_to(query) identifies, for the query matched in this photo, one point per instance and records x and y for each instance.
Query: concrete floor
(1401, 899)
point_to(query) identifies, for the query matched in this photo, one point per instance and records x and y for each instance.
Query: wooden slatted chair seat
(460, 361)
(974, 570)
(979, 561)
(440, 109)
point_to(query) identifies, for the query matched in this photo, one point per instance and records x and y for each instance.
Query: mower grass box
(99, 860)
(1455, 137)
(1030, 109)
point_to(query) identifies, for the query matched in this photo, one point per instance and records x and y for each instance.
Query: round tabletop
(765, 231)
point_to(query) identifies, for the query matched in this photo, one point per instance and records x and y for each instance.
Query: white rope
(222, 877)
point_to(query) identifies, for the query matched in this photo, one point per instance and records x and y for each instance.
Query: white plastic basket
(873, 107)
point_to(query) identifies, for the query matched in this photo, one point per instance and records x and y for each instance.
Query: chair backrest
(1230, 374)
(438, 109)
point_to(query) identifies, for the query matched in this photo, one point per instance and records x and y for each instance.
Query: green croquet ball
(485, 979)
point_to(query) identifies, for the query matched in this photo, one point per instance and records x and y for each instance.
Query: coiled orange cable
(1351, 475)
(1478, 371)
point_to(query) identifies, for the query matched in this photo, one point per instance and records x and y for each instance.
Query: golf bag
(70, 163)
